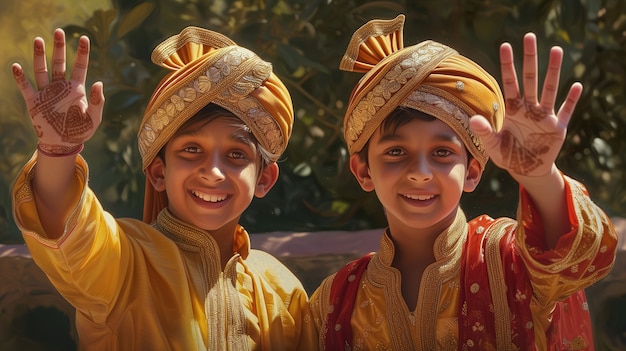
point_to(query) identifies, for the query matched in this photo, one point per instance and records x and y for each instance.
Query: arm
(532, 135)
(63, 121)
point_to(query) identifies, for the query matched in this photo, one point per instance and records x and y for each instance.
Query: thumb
(96, 101)
(482, 128)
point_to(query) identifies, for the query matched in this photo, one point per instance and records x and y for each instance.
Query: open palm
(60, 113)
(532, 132)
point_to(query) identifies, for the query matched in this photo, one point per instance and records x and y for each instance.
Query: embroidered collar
(192, 238)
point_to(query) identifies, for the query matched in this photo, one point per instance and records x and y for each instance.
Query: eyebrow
(388, 137)
(239, 136)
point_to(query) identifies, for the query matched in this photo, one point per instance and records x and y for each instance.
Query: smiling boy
(185, 278)
(420, 127)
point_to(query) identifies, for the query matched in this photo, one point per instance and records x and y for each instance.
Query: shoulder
(486, 225)
(272, 270)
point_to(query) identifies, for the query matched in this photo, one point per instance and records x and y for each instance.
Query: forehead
(420, 126)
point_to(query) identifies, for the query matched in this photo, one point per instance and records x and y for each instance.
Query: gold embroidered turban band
(428, 77)
(207, 68)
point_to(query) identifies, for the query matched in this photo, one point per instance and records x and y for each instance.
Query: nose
(211, 170)
(419, 170)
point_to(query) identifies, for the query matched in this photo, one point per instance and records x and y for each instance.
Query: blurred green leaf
(134, 18)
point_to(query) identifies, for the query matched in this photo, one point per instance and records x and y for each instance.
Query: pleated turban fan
(429, 77)
(208, 67)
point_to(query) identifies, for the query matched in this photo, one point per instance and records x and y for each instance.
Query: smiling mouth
(419, 197)
(210, 198)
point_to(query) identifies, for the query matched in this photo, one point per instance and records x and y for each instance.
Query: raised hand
(532, 133)
(60, 113)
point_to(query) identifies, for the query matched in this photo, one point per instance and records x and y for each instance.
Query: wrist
(59, 151)
(554, 177)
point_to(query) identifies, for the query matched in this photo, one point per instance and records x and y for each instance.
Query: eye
(442, 152)
(237, 155)
(191, 149)
(395, 152)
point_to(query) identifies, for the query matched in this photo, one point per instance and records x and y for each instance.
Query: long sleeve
(86, 263)
(582, 257)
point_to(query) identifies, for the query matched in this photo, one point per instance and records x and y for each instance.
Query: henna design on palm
(72, 125)
(524, 156)
(535, 112)
(513, 105)
(516, 156)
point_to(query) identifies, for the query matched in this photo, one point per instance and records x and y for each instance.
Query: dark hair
(213, 111)
(397, 118)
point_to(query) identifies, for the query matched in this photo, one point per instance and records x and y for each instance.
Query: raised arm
(63, 120)
(533, 133)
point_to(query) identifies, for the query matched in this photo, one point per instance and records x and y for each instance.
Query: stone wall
(33, 316)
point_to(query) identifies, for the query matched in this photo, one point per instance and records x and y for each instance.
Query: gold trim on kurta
(448, 249)
(223, 319)
(495, 271)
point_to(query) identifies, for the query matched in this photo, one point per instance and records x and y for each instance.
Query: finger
(96, 102)
(567, 108)
(507, 69)
(551, 82)
(483, 129)
(58, 56)
(39, 63)
(79, 72)
(529, 70)
(22, 83)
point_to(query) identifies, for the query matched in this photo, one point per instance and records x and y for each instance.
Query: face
(419, 172)
(212, 170)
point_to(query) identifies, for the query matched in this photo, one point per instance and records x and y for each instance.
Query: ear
(155, 172)
(472, 175)
(266, 180)
(361, 172)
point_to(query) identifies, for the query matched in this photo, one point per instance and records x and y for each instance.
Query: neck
(413, 251)
(224, 238)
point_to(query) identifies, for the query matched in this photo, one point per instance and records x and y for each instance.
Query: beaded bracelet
(71, 152)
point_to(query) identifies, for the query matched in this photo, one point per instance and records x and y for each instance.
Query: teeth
(209, 198)
(419, 197)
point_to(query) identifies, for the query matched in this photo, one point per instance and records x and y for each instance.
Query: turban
(208, 67)
(429, 77)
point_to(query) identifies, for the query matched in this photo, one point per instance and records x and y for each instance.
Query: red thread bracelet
(73, 152)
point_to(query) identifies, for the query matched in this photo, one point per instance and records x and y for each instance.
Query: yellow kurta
(382, 321)
(161, 287)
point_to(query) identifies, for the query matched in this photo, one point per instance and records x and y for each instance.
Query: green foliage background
(305, 40)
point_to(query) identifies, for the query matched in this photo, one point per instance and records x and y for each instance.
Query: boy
(186, 278)
(438, 281)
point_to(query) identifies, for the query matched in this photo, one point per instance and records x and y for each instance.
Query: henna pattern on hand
(535, 113)
(71, 125)
(18, 73)
(59, 150)
(38, 130)
(49, 97)
(95, 97)
(517, 158)
(39, 50)
(76, 124)
(513, 105)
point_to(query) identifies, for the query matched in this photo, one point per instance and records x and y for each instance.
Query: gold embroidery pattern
(222, 307)
(398, 76)
(495, 270)
(453, 115)
(447, 250)
(585, 249)
(227, 82)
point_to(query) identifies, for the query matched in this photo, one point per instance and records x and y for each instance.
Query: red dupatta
(479, 308)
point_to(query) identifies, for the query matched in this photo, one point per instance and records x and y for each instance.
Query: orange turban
(428, 77)
(209, 68)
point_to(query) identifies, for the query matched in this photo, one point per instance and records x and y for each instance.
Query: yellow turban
(209, 68)
(428, 77)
